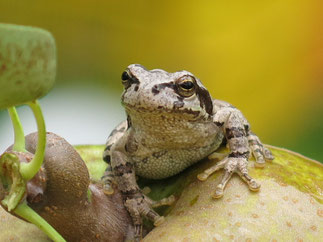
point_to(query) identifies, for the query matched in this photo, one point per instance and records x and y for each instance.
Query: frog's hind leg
(260, 152)
(108, 177)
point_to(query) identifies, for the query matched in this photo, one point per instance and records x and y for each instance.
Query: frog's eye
(186, 86)
(126, 79)
(125, 76)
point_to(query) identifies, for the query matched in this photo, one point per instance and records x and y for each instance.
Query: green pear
(288, 207)
(27, 64)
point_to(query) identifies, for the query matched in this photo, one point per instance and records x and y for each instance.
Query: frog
(172, 123)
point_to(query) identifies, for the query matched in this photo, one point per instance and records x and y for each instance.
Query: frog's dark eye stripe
(205, 99)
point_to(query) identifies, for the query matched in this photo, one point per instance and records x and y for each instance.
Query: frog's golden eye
(186, 86)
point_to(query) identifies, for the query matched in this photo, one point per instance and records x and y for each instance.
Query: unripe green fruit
(288, 207)
(27, 64)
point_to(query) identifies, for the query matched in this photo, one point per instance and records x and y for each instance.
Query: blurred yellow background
(264, 57)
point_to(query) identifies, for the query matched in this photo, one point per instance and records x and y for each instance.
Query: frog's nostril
(155, 90)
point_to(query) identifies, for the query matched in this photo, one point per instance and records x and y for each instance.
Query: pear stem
(19, 144)
(28, 170)
(24, 211)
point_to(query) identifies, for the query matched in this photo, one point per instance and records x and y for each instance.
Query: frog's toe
(260, 152)
(202, 176)
(108, 189)
(155, 217)
(138, 233)
(268, 155)
(219, 190)
(167, 201)
(159, 221)
(205, 174)
(260, 162)
(133, 209)
(142, 206)
(262, 155)
(253, 185)
(107, 180)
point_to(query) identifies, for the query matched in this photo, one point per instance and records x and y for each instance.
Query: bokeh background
(265, 57)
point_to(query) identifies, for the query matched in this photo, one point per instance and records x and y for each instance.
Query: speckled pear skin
(27, 64)
(288, 207)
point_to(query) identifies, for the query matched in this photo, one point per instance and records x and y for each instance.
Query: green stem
(24, 211)
(19, 144)
(28, 170)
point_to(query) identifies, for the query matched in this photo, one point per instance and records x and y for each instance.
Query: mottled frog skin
(172, 123)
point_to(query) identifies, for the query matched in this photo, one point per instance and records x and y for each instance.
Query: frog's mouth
(188, 113)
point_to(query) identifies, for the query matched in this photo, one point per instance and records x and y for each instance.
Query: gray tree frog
(172, 123)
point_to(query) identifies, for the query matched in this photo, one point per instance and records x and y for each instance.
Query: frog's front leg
(135, 201)
(236, 130)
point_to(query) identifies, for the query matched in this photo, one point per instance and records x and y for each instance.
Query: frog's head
(159, 91)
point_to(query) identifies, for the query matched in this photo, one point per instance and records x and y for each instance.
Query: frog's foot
(260, 152)
(230, 165)
(139, 205)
